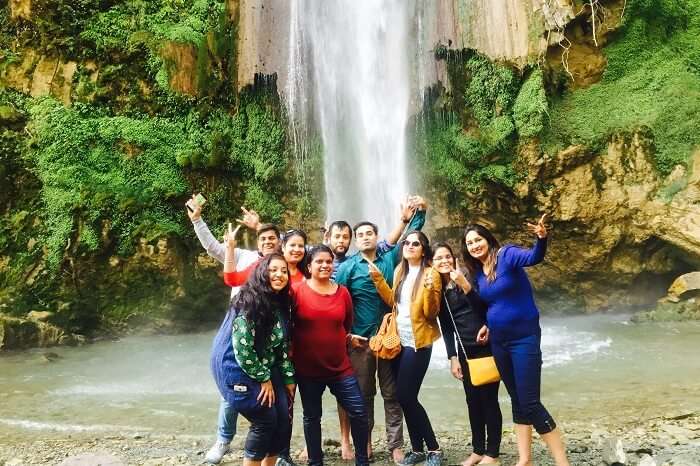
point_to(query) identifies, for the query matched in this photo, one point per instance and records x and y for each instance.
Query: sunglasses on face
(415, 244)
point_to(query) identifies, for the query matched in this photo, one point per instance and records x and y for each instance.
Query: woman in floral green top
(250, 359)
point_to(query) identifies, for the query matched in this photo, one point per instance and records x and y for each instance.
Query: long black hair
(402, 269)
(259, 303)
(473, 264)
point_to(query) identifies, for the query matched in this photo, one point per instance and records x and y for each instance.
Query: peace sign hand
(458, 277)
(251, 219)
(428, 280)
(230, 237)
(539, 229)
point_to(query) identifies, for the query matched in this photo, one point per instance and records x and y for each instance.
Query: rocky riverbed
(672, 439)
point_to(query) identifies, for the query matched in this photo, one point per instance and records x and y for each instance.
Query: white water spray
(350, 63)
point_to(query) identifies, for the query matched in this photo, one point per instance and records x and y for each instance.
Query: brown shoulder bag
(386, 343)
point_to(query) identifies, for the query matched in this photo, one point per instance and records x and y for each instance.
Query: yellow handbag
(483, 370)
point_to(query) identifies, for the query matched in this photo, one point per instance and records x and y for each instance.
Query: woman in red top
(322, 322)
(294, 250)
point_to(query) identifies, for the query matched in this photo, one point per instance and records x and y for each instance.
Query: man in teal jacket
(369, 310)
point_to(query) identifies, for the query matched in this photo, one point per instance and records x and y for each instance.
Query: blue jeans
(228, 416)
(270, 427)
(520, 364)
(347, 392)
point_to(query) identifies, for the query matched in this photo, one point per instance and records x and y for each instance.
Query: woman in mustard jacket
(416, 296)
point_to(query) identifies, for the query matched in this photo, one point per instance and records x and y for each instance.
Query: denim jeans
(520, 364)
(270, 427)
(410, 367)
(228, 416)
(347, 393)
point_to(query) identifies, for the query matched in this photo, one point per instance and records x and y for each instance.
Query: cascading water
(350, 75)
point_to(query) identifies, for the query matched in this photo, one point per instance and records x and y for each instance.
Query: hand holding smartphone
(197, 202)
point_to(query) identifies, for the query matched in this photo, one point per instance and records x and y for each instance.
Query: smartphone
(199, 199)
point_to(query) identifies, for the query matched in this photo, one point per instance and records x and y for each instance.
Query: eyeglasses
(415, 244)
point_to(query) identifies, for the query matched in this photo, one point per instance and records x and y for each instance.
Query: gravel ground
(673, 439)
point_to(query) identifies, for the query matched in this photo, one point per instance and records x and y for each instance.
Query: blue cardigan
(512, 312)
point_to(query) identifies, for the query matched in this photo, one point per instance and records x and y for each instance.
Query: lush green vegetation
(469, 139)
(652, 81)
(96, 188)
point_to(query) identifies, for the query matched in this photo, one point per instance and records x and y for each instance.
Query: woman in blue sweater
(514, 326)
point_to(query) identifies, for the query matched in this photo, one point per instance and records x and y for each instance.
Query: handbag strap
(454, 324)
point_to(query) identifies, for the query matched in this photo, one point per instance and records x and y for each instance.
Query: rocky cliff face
(625, 221)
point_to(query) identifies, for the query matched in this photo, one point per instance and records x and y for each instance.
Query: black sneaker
(434, 458)
(285, 461)
(414, 457)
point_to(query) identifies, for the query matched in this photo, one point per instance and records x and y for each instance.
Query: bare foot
(304, 455)
(397, 455)
(486, 459)
(523, 463)
(472, 460)
(346, 451)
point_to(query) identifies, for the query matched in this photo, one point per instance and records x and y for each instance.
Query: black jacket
(469, 313)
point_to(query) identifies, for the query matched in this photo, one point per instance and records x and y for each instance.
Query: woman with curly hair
(250, 358)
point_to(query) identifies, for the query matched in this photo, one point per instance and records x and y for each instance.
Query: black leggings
(409, 368)
(484, 412)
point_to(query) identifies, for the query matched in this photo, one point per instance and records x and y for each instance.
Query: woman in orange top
(416, 296)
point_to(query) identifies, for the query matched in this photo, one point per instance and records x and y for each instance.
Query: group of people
(301, 316)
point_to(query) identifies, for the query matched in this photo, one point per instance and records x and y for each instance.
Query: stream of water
(596, 368)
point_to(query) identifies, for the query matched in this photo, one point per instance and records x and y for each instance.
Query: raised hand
(230, 237)
(428, 278)
(419, 202)
(539, 228)
(373, 271)
(407, 209)
(326, 234)
(196, 210)
(251, 219)
(458, 277)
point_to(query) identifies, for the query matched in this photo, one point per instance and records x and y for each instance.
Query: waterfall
(349, 78)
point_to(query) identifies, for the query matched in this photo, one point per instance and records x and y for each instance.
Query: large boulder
(16, 333)
(684, 285)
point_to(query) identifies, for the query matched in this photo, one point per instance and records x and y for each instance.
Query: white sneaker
(217, 452)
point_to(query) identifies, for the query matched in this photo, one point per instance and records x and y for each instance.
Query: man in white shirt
(268, 241)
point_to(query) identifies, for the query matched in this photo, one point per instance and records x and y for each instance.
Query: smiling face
(443, 261)
(294, 249)
(340, 240)
(278, 273)
(477, 245)
(321, 266)
(412, 248)
(366, 238)
(267, 242)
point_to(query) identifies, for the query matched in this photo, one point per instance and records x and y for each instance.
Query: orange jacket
(424, 308)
